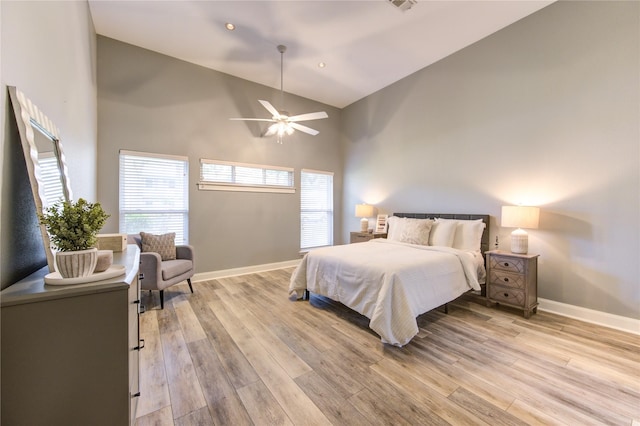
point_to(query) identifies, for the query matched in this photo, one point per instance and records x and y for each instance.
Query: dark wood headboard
(484, 243)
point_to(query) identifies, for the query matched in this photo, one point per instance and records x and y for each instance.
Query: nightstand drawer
(361, 237)
(506, 295)
(507, 263)
(507, 279)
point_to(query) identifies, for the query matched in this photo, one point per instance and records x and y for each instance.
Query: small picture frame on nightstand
(381, 223)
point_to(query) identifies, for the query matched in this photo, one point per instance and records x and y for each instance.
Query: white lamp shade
(520, 217)
(364, 210)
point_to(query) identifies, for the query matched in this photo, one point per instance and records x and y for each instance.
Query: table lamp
(365, 211)
(520, 217)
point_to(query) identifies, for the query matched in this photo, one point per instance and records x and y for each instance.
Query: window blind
(50, 179)
(154, 194)
(231, 176)
(316, 209)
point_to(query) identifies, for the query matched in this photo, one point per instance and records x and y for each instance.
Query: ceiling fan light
(282, 128)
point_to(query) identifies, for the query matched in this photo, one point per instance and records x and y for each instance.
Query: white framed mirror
(44, 158)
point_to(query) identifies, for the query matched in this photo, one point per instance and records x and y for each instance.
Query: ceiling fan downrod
(282, 48)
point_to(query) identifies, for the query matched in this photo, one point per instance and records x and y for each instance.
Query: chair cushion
(173, 268)
(164, 244)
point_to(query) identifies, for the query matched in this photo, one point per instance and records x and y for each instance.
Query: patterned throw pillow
(164, 244)
(409, 230)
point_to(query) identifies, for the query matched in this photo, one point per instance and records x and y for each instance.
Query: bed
(426, 261)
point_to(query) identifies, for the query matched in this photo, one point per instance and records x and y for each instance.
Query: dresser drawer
(507, 263)
(507, 279)
(507, 295)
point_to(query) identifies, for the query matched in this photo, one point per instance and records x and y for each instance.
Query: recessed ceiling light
(230, 26)
(321, 65)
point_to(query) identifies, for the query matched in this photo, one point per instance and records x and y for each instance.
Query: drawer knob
(506, 280)
(506, 264)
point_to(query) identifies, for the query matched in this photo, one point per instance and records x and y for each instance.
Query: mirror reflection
(44, 158)
(49, 162)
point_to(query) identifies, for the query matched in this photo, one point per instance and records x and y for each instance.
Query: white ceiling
(366, 44)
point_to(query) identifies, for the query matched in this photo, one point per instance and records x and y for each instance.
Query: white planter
(74, 264)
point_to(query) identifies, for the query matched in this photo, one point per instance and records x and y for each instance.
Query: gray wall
(48, 52)
(153, 103)
(544, 112)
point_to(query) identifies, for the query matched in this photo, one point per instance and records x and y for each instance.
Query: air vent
(403, 5)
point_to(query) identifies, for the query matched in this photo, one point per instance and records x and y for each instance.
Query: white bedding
(389, 282)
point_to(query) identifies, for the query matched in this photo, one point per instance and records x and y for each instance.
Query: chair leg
(189, 281)
(161, 299)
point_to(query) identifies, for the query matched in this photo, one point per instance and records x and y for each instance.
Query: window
(229, 176)
(154, 194)
(50, 178)
(316, 209)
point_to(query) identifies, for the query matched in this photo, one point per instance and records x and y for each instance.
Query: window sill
(208, 186)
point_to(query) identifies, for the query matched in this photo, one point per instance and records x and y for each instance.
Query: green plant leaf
(72, 225)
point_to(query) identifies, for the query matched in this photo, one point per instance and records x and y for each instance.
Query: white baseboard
(617, 322)
(204, 276)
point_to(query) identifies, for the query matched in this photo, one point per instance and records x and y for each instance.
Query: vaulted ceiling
(365, 45)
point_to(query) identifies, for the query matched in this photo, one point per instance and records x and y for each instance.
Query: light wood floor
(237, 352)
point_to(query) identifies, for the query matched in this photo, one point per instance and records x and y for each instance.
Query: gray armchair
(158, 274)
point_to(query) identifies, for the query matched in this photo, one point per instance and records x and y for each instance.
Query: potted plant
(73, 228)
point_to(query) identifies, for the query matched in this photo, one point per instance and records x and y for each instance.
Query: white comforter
(391, 283)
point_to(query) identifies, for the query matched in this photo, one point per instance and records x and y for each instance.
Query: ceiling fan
(283, 124)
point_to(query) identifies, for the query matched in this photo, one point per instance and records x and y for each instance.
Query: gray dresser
(70, 354)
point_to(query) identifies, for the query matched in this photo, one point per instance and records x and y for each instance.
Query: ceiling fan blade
(305, 129)
(270, 108)
(254, 119)
(309, 116)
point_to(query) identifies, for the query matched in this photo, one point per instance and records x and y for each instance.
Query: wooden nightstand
(512, 279)
(361, 237)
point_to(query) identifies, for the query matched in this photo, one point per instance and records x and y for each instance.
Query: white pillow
(442, 233)
(409, 230)
(468, 233)
(392, 227)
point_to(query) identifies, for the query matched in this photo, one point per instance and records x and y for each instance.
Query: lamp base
(364, 225)
(519, 241)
